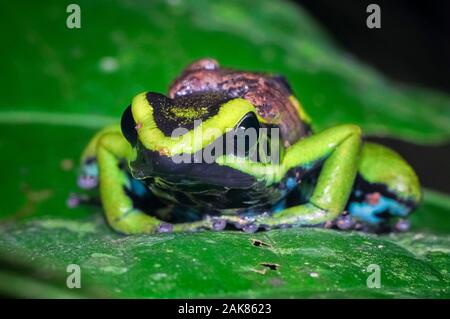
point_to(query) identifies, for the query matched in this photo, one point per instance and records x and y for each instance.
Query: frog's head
(180, 140)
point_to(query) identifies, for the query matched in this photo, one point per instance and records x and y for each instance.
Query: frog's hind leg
(386, 188)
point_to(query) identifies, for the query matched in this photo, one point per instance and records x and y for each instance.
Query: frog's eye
(248, 121)
(128, 126)
(246, 135)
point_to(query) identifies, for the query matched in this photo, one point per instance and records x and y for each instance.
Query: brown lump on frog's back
(269, 94)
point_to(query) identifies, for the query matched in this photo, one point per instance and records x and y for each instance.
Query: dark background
(412, 46)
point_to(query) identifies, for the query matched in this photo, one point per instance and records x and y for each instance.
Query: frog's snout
(151, 164)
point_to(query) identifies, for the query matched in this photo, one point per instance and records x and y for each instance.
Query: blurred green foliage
(59, 85)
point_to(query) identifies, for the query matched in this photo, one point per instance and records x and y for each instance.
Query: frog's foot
(214, 223)
(87, 180)
(376, 210)
(301, 215)
(347, 222)
(134, 221)
(75, 200)
(88, 177)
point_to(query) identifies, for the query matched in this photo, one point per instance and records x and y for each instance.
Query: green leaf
(97, 69)
(59, 85)
(433, 216)
(285, 263)
(195, 265)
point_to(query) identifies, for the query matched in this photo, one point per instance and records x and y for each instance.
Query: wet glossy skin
(270, 94)
(318, 177)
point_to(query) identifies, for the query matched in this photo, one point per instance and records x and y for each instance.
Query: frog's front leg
(339, 149)
(119, 210)
(110, 149)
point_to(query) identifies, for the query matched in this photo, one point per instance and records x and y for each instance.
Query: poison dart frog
(153, 174)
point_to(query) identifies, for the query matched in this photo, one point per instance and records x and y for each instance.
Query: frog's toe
(402, 225)
(218, 224)
(87, 181)
(88, 178)
(165, 227)
(73, 201)
(250, 228)
(345, 222)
